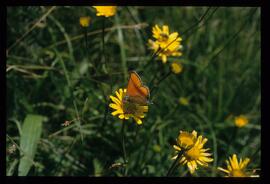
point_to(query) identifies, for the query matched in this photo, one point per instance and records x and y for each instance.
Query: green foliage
(31, 132)
(57, 72)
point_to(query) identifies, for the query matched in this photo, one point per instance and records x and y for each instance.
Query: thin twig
(134, 26)
(229, 41)
(154, 87)
(32, 28)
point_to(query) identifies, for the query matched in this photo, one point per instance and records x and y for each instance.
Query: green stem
(155, 86)
(136, 133)
(174, 166)
(103, 38)
(123, 146)
(231, 141)
(103, 57)
(85, 35)
(70, 90)
(214, 138)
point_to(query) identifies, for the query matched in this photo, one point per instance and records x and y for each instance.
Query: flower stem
(86, 40)
(136, 132)
(231, 141)
(103, 59)
(174, 164)
(123, 146)
(103, 38)
(155, 86)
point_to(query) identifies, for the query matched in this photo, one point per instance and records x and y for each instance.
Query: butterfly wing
(136, 91)
(135, 86)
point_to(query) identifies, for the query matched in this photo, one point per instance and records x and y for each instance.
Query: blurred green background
(55, 74)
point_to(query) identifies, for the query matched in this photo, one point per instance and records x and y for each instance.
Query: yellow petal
(165, 29)
(191, 167)
(114, 106)
(194, 133)
(202, 163)
(138, 120)
(244, 163)
(207, 159)
(224, 170)
(164, 58)
(117, 112)
(115, 100)
(119, 95)
(121, 116)
(173, 158)
(234, 162)
(173, 36)
(176, 147)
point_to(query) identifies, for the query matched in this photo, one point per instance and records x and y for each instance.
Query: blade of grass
(67, 38)
(31, 133)
(70, 89)
(213, 134)
(11, 169)
(122, 47)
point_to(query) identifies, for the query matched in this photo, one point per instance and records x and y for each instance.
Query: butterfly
(137, 93)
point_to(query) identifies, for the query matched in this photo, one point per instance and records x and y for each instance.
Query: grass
(51, 73)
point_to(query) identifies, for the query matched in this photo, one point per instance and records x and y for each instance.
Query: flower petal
(115, 100)
(114, 106)
(176, 147)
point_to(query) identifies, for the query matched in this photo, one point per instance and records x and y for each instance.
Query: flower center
(163, 37)
(193, 153)
(129, 108)
(237, 173)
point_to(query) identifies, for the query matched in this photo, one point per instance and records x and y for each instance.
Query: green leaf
(97, 167)
(11, 168)
(31, 132)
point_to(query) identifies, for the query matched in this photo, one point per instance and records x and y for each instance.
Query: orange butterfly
(137, 93)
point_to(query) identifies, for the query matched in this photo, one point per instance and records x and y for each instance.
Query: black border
(113, 180)
(249, 3)
(127, 180)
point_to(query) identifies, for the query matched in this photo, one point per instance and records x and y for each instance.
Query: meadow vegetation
(60, 76)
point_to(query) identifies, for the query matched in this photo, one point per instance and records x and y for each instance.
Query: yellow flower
(235, 168)
(176, 67)
(185, 140)
(194, 154)
(106, 11)
(85, 21)
(240, 121)
(127, 110)
(166, 44)
(184, 101)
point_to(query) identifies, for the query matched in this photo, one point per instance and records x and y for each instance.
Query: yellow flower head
(127, 109)
(166, 44)
(240, 121)
(194, 154)
(85, 21)
(235, 168)
(176, 67)
(185, 140)
(106, 11)
(184, 101)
